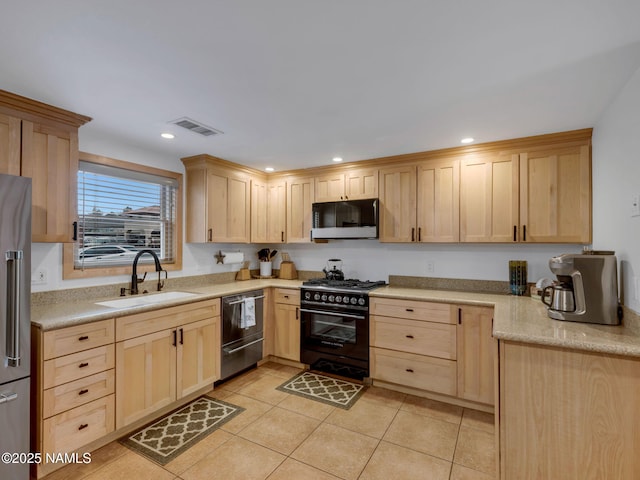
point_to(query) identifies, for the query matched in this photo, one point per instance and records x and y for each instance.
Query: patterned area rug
(332, 391)
(168, 437)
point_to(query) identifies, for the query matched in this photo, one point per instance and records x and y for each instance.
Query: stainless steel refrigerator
(15, 324)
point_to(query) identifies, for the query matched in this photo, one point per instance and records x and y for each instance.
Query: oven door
(335, 333)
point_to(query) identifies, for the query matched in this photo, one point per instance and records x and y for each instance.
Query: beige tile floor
(385, 435)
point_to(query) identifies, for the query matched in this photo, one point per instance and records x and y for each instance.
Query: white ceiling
(293, 83)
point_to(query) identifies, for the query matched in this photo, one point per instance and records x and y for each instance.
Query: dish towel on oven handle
(248, 313)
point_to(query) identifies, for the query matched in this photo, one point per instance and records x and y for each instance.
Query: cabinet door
(287, 332)
(145, 375)
(398, 204)
(476, 352)
(361, 183)
(276, 211)
(197, 211)
(10, 139)
(229, 207)
(259, 209)
(555, 195)
(299, 200)
(198, 355)
(489, 198)
(438, 201)
(50, 159)
(329, 188)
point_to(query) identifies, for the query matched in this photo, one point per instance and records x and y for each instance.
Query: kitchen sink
(146, 299)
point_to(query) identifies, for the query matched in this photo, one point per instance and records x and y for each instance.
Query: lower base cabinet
(286, 324)
(164, 356)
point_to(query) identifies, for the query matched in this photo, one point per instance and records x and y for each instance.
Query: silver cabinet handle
(247, 298)
(229, 352)
(7, 397)
(14, 274)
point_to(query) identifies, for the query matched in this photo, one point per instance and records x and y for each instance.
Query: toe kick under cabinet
(433, 347)
(74, 388)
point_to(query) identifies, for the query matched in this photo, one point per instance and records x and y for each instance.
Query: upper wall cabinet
(419, 203)
(541, 194)
(354, 184)
(299, 200)
(218, 201)
(268, 210)
(41, 142)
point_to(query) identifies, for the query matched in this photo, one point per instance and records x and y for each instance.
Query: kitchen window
(124, 208)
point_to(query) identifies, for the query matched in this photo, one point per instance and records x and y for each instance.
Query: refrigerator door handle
(14, 272)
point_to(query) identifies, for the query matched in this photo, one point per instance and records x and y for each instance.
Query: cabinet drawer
(77, 338)
(132, 326)
(413, 310)
(417, 371)
(73, 394)
(78, 365)
(72, 429)
(290, 297)
(423, 338)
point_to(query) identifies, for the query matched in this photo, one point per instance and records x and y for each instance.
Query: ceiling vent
(196, 127)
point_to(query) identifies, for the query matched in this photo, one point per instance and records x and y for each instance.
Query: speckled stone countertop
(66, 314)
(524, 319)
(519, 319)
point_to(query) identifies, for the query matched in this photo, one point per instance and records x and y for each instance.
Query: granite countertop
(519, 319)
(524, 319)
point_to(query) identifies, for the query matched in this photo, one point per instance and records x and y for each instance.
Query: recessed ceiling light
(269, 169)
(466, 140)
(167, 135)
(337, 159)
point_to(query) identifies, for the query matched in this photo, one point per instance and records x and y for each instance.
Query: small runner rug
(332, 391)
(165, 439)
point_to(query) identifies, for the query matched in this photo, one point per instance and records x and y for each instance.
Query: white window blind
(121, 212)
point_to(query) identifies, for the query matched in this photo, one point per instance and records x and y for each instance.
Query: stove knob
(338, 298)
(332, 298)
(361, 302)
(307, 295)
(354, 300)
(316, 297)
(324, 297)
(345, 299)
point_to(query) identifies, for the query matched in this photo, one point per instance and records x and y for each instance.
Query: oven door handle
(331, 314)
(229, 352)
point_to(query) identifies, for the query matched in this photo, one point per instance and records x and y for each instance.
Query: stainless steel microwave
(345, 219)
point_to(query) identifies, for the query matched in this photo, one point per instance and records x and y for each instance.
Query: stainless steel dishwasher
(242, 332)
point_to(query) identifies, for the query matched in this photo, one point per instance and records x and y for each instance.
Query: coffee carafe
(586, 290)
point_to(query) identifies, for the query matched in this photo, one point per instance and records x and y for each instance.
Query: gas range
(350, 294)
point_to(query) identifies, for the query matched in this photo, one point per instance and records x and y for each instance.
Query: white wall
(616, 178)
(364, 259)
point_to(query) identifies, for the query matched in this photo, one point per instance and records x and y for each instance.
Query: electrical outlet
(39, 277)
(635, 205)
(431, 266)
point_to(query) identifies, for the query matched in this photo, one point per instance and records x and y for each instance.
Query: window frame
(68, 269)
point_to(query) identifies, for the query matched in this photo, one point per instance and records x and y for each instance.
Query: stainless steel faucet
(134, 276)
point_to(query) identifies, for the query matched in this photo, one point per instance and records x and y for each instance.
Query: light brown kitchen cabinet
(218, 201)
(413, 344)
(354, 184)
(286, 324)
(539, 193)
(420, 203)
(477, 351)
(162, 356)
(41, 142)
(300, 195)
(73, 385)
(268, 210)
(567, 414)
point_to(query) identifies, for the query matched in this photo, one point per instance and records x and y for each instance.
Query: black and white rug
(165, 439)
(329, 390)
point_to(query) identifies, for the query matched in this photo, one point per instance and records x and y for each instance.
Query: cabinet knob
(83, 426)
(83, 337)
(409, 309)
(409, 336)
(83, 364)
(410, 370)
(84, 391)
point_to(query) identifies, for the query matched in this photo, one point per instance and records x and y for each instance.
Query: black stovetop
(348, 284)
